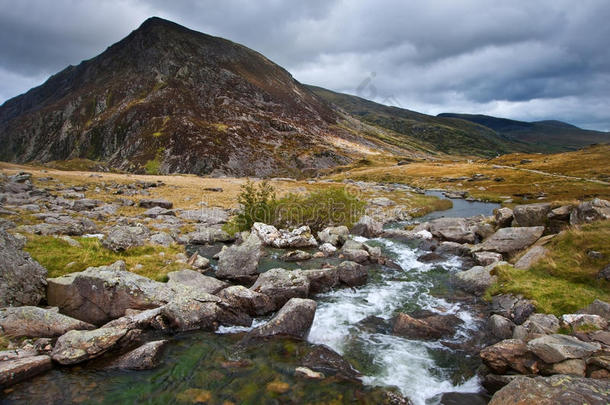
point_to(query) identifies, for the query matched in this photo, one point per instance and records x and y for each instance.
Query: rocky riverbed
(368, 314)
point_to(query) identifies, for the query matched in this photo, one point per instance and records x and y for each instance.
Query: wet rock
(487, 258)
(501, 327)
(503, 217)
(430, 327)
(494, 382)
(531, 214)
(509, 354)
(281, 285)
(531, 257)
(22, 279)
(326, 360)
(100, 294)
(321, 280)
(150, 203)
(240, 262)
(431, 257)
(308, 373)
(37, 322)
(78, 346)
(295, 256)
(352, 274)
(335, 236)
(367, 227)
(196, 280)
(463, 398)
(245, 300)
(20, 369)
(476, 280)
(271, 236)
(597, 307)
(583, 321)
(558, 389)
(556, 348)
(294, 319)
(120, 238)
(452, 229)
(146, 357)
(510, 240)
(594, 210)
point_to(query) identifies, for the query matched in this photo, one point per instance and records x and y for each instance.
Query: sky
(521, 59)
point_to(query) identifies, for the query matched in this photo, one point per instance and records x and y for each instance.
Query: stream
(216, 368)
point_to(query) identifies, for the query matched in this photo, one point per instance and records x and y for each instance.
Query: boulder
(240, 262)
(531, 257)
(541, 324)
(597, 307)
(245, 300)
(281, 285)
(327, 249)
(501, 327)
(594, 210)
(335, 236)
(512, 307)
(161, 238)
(452, 248)
(604, 273)
(209, 216)
(134, 319)
(22, 279)
(196, 280)
(120, 238)
(150, 203)
(511, 240)
(583, 321)
(154, 212)
(296, 256)
(308, 373)
(100, 294)
(509, 354)
(355, 255)
(37, 322)
(198, 262)
(145, 357)
(430, 327)
(556, 348)
(326, 360)
(452, 229)
(486, 258)
(206, 236)
(294, 319)
(185, 314)
(367, 227)
(476, 280)
(503, 217)
(352, 274)
(576, 367)
(531, 214)
(20, 369)
(271, 236)
(77, 346)
(557, 389)
(321, 280)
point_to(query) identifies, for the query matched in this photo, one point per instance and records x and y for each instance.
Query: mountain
(167, 99)
(448, 135)
(539, 136)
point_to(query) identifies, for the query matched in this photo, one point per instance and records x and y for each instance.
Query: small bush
(332, 206)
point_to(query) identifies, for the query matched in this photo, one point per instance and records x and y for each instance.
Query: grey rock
(78, 346)
(503, 217)
(281, 285)
(531, 214)
(355, 255)
(143, 320)
(452, 248)
(119, 238)
(352, 274)
(501, 327)
(271, 236)
(161, 238)
(155, 212)
(327, 249)
(336, 236)
(589, 211)
(476, 280)
(579, 321)
(452, 229)
(209, 216)
(150, 203)
(325, 360)
(206, 236)
(198, 262)
(294, 319)
(509, 354)
(185, 314)
(32, 322)
(575, 367)
(196, 280)
(296, 256)
(486, 258)
(556, 348)
(511, 240)
(604, 274)
(321, 280)
(245, 300)
(531, 257)
(367, 227)
(20, 369)
(597, 307)
(544, 324)
(22, 279)
(429, 327)
(145, 357)
(240, 262)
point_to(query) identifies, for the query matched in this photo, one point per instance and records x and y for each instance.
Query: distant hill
(445, 134)
(539, 136)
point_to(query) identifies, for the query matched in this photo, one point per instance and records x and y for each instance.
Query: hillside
(540, 136)
(448, 135)
(167, 99)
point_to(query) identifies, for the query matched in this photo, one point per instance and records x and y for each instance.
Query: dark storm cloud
(542, 59)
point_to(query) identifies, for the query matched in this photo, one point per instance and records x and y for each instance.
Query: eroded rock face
(294, 319)
(531, 214)
(367, 227)
(271, 236)
(100, 294)
(196, 280)
(558, 389)
(240, 262)
(145, 357)
(37, 322)
(78, 346)
(556, 348)
(511, 240)
(452, 229)
(20, 369)
(120, 238)
(22, 279)
(281, 285)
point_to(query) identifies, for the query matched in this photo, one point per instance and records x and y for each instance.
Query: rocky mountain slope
(539, 136)
(168, 99)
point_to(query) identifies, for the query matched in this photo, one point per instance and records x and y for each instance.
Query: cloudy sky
(522, 59)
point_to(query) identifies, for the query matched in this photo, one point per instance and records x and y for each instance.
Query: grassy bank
(564, 281)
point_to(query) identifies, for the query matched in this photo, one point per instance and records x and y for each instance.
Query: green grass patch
(60, 258)
(566, 280)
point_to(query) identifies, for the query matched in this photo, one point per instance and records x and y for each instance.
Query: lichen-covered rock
(554, 390)
(556, 348)
(245, 300)
(531, 214)
(145, 357)
(543, 324)
(33, 322)
(511, 240)
(476, 280)
(99, 294)
(77, 346)
(196, 280)
(207, 235)
(240, 262)
(597, 307)
(352, 274)
(119, 238)
(296, 256)
(452, 229)
(185, 314)
(281, 285)
(271, 236)
(294, 319)
(501, 327)
(510, 354)
(336, 235)
(594, 210)
(503, 217)
(20, 369)
(367, 227)
(22, 279)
